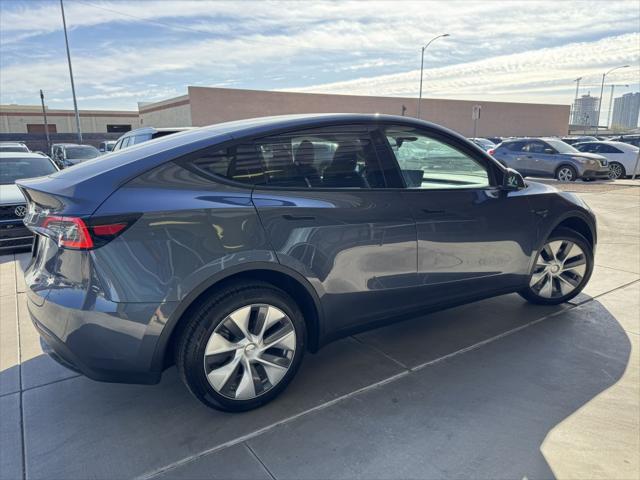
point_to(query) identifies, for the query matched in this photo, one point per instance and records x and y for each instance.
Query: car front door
(541, 158)
(474, 238)
(325, 208)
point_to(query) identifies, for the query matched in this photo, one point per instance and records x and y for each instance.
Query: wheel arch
(576, 221)
(277, 275)
(566, 164)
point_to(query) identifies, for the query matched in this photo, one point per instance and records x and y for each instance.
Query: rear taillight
(69, 232)
(80, 233)
(491, 151)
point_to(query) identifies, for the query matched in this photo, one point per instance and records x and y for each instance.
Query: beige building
(205, 106)
(29, 119)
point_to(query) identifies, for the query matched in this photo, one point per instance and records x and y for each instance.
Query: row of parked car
(568, 158)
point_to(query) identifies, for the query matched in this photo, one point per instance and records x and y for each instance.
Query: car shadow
(498, 402)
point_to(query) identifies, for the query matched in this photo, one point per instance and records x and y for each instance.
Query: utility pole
(46, 124)
(422, 69)
(73, 87)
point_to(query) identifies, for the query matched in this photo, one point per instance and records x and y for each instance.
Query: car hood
(590, 156)
(10, 194)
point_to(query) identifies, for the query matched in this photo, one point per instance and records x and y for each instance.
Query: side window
(336, 157)
(429, 163)
(588, 147)
(536, 147)
(515, 146)
(328, 157)
(139, 139)
(604, 148)
(240, 163)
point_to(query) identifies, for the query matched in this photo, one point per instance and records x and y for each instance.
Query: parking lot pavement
(494, 389)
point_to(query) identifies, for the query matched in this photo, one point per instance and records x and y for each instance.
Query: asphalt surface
(493, 389)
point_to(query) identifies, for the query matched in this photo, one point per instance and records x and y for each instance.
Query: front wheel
(562, 268)
(566, 173)
(616, 170)
(241, 347)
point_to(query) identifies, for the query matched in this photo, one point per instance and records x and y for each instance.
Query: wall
(14, 119)
(213, 105)
(175, 112)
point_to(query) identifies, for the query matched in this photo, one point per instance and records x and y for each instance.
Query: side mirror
(512, 180)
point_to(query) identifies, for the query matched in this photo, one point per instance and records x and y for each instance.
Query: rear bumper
(108, 343)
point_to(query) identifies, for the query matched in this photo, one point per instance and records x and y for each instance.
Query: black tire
(530, 294)
(203, 320)
(618, 167)
(561, 169)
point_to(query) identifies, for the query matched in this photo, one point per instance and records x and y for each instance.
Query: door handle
(298, 217)
(432, 212)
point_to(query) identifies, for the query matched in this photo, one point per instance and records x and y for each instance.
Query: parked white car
(622, 157)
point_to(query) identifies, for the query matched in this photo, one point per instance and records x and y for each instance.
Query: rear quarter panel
(190, 229)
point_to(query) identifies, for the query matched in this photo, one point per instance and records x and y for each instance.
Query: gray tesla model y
(230, 250)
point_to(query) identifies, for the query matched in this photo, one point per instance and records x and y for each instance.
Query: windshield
(12, 148)
(12, 169)
(83, 153)
(561, 147)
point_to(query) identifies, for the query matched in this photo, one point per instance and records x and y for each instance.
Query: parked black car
(69, 154)
(232, 249)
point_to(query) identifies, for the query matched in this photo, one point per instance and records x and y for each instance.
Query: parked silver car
(550, 157)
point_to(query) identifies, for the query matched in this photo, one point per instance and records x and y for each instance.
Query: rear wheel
(241, 347)
(562, 268)
(566, 173)
(616, 170)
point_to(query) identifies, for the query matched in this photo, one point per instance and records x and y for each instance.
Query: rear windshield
(12, 169)
(82, 152)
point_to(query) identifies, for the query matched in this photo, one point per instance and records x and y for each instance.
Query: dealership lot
(494, 389)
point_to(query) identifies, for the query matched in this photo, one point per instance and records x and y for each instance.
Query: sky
(124, 52)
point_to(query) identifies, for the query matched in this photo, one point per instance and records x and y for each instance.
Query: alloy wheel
(565, 174)
(615, 171)
(250, 351)
(559, 270)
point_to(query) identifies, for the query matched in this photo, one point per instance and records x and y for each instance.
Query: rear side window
(337, 157)
(587, 147)
(514, 146)
(604, 148)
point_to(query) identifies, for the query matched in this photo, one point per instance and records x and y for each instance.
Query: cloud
(528, 74)
(495, 48)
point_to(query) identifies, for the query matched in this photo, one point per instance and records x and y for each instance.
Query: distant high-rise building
(585, 111)
(626, 110)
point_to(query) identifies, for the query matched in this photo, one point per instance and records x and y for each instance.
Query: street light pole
(73, 88)
(604, 75)
(422, 68)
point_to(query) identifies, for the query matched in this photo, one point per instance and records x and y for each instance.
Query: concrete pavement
(494, 389)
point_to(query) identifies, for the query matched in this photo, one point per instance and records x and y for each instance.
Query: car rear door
(513, 155)
(473, 237)
(328, 216)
